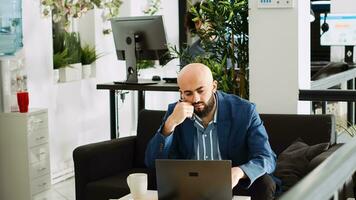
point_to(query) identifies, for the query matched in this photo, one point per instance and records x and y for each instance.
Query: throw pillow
(292, 163)
(321, 157)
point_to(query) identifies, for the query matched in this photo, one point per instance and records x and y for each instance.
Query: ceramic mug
(23, 101)
(138, 185)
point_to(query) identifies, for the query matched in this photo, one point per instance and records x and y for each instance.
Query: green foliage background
(224, 39)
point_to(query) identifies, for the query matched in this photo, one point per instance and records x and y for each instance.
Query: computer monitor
(342, 29)
(139, 38)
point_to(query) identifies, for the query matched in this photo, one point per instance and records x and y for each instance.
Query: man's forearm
(168, 127)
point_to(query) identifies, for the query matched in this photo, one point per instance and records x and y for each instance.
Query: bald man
(207, 124)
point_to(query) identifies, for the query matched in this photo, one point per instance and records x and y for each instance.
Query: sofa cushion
(292, 163)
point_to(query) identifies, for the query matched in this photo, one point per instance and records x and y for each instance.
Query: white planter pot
(93, 70)
(70, 73)
(86, 73)
(55, 75)
(77, 70)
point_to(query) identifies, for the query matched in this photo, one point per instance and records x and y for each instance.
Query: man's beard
(207, 107)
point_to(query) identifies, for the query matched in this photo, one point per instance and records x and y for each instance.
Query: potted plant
(67, 45)
(73, 71)
(88, 57)
(224, 40)
(60, 60)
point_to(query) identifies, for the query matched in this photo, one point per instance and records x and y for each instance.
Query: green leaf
(89, 55)
(60, 59)
(145, 64)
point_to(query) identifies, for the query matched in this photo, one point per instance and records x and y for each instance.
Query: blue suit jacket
(242, 139)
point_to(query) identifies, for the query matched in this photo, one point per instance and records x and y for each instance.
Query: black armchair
(101, 168)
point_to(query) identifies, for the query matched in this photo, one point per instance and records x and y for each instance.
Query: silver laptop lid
(193, 179)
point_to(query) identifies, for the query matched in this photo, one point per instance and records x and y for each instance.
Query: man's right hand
(181, 111)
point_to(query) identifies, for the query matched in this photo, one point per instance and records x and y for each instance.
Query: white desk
(152, 195)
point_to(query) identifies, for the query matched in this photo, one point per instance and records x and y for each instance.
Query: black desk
(160, 86)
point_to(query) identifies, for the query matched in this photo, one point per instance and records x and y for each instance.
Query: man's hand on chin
(236, 175)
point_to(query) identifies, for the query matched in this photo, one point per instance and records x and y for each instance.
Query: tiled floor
(64, 190)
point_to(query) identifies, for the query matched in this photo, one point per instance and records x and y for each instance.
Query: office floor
(63, 191)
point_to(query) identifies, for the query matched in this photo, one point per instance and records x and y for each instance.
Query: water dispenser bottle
(10, 26)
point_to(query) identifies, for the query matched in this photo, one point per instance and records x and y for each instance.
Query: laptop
(193, 179)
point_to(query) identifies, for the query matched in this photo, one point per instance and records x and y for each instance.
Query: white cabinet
(24, 155)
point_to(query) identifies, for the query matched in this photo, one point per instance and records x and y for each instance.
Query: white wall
(78, 112)
(343, 6)
(279, 47)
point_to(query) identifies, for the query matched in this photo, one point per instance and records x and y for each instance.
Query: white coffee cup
(138, 185)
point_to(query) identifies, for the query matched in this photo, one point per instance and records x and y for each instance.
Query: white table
(152, 195)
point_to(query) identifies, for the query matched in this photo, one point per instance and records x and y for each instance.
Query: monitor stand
(131, 63)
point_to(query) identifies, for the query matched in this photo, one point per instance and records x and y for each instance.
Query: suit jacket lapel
(224, 125)
(189, 132)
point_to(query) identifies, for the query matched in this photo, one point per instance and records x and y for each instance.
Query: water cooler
(10, 26)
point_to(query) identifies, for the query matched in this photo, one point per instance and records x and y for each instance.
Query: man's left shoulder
(235, 100)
